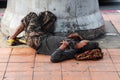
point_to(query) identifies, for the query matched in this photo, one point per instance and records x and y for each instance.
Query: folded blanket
(94, 54)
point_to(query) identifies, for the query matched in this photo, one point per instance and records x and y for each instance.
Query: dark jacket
(60, 55)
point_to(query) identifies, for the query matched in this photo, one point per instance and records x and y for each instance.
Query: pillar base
(87, 34)
(92, 33)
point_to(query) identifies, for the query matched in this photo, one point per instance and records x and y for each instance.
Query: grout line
(34, 67)
(113, 63)
(89, 71)
(7, 64)
(61, 72)
(114, 27)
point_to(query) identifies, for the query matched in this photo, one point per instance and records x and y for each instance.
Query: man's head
(88, 46)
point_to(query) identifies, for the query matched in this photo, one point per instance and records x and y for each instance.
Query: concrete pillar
(82, 16)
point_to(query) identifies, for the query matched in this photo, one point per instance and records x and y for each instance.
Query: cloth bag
(94, 54)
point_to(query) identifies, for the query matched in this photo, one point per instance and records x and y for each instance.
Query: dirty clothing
(61, 55)
(49, 44)
(38, 27)
(39, 32)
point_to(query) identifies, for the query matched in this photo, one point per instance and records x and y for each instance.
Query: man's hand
(81, 44)
(64, 45)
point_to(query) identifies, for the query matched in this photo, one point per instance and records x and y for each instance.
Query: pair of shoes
(16, 41)
(21, 40)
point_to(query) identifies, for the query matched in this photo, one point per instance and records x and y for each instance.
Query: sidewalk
(24, 64)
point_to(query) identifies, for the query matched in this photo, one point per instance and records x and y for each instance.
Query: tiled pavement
(24, 64)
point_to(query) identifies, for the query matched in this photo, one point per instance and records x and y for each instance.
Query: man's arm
(61, 54)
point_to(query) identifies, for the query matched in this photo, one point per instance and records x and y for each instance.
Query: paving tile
(47, 76)
(94, 66)
(106, 57)
(3, 67)
(42, 58)
(105, 76)
(5, 51)
(22, 55)
(115, 55)
(115, 52)
(75, 66)
(47, 67)
(115, 19)
(76, 76)
(23, 51)
(22, 58)
(4, 54)
(117, 66)
(18, 76)
(19, 67)
(105, 17)
(116, 59)
(119, 73)
(4, 57)
(1, 75)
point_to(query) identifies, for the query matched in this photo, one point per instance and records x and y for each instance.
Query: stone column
(82, 16)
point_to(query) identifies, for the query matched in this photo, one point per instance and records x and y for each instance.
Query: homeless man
(39, 34)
